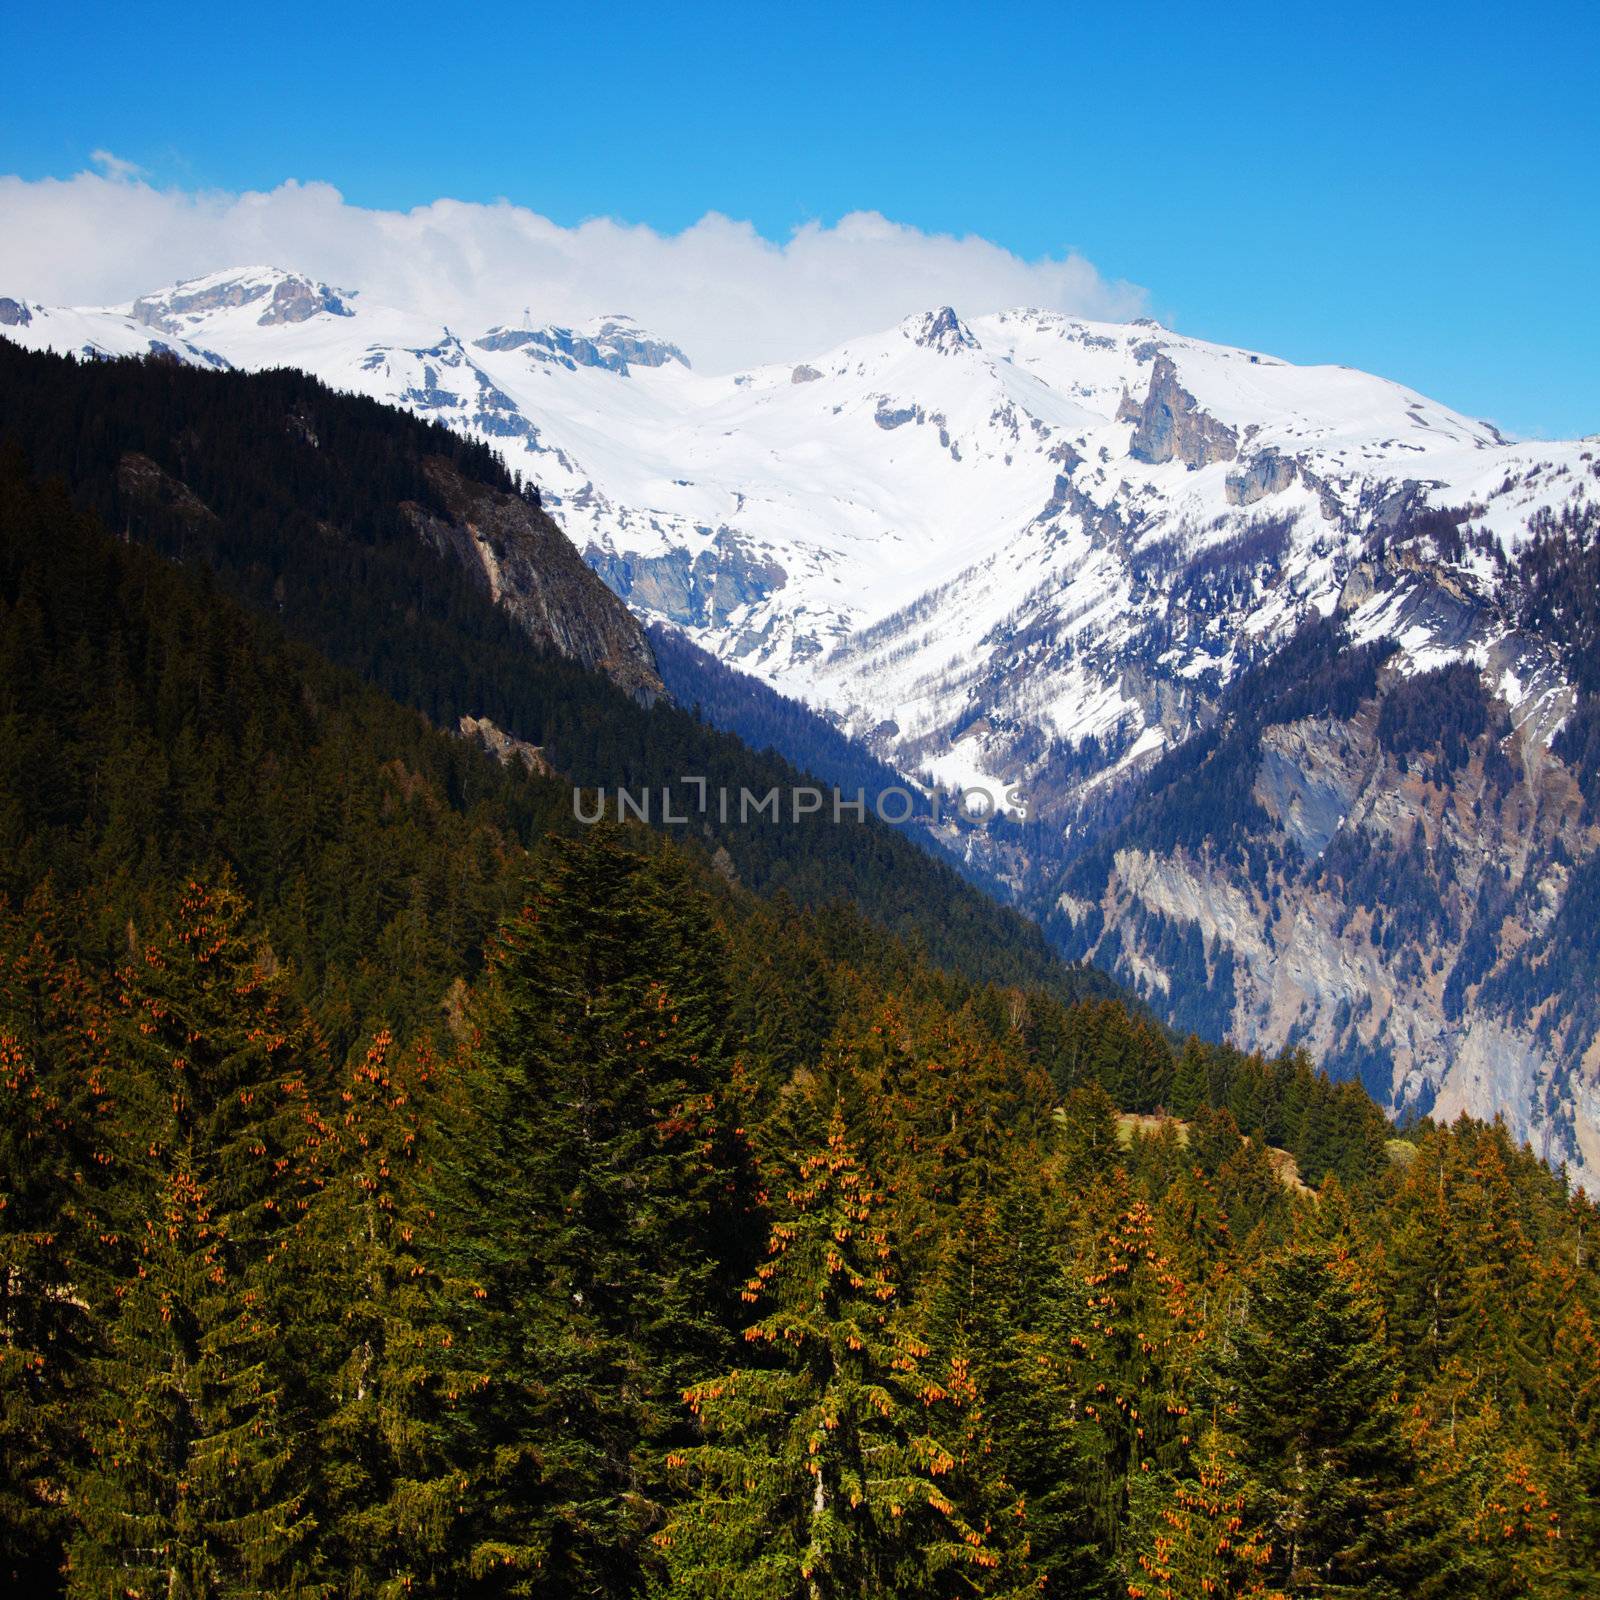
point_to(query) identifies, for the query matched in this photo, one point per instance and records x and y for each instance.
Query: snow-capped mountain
(1025, 552)
(961, 539)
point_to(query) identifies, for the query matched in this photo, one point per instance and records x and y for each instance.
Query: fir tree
(58, 1168)
(1483, 1523)
(1002, 1300)
(1190, 1079)
(1202, 1543)
(599, 1212)
(1138, 1346)
(195, 1479)
(1314, 1407)
(842, 1468)
(391, 1496)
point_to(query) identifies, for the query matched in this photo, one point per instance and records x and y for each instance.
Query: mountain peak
(274, 295)
(940, 330)
(614, 342)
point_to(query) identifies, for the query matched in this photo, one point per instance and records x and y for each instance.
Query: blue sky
(1412, 190)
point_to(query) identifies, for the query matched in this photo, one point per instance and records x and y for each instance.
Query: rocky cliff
(1394, 863)
(529, 568)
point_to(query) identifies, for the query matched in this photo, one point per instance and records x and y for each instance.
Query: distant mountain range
(1293, 665)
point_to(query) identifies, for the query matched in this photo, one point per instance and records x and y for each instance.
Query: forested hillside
(406, 1191)
(296, 499)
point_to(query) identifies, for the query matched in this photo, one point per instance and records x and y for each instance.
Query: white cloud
(729, 296)
(115, 168)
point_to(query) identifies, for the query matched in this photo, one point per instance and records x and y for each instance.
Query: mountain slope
(977, 546)
(1395, 864)
(319, 511)
(1041, 555)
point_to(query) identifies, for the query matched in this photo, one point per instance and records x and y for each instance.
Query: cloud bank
(729, 296)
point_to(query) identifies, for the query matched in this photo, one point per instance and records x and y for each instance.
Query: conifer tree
(1314, 1400)
(1202, 1543)
(57, 1163)
(391, 1496)
(599, 1212)
(1483, 1522)
(1138, 1347)
(1190, 1079)
(194, 1484)
(1002, 1299)
(841, 1467)
(1427, 1286)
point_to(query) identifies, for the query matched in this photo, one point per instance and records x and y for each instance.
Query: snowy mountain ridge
(959, 539)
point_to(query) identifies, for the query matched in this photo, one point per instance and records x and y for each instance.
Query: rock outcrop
(615, 344)
(142, 479)
(288, 299)
(505, 747)
(1260, 475)
(530, 569)
(704, 590)
(1171, 426)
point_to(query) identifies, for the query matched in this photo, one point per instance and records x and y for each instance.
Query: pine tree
(599, 1211)
(842, 1467)
(194, 1483)
(1202, 1543)
(1315, 1409)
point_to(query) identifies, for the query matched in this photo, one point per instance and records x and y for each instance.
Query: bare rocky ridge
(287, 299)
(614, 344)
(1170, 425)
(529, 567)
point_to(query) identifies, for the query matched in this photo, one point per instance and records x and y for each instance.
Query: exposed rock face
(297, 299)
(529, 567)
(1346, 973)
(1262, 474)
(614, 344)
(1172, 427)
(801, 374)
(941, 330)
(140, 478)
(705, 590)
(1307, 782)
(1394, 885)
(505, 747)
(14, 313)
(288, 299)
